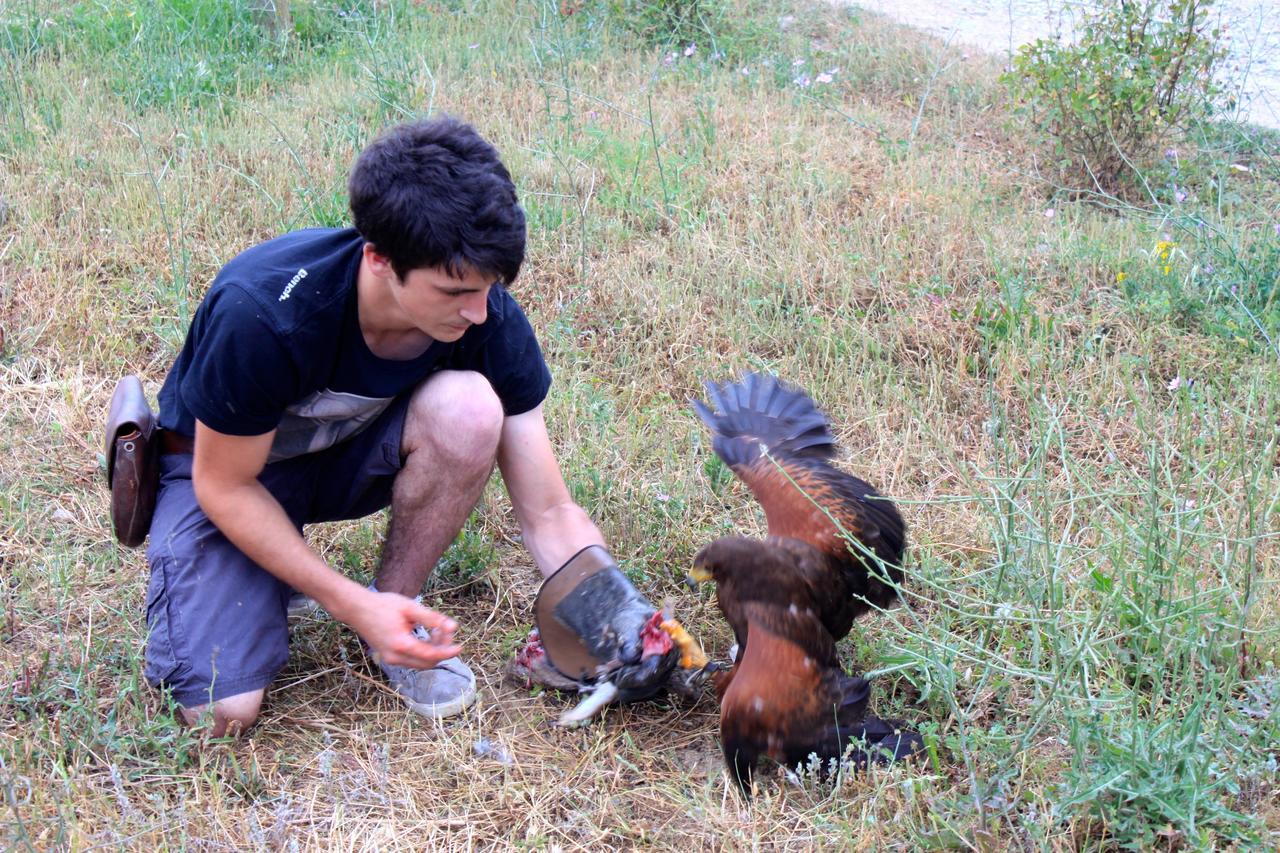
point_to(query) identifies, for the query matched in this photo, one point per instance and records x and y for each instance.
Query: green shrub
(1139, 74)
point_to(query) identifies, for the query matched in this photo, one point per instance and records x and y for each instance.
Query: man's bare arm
(554, 527)
(225, 477)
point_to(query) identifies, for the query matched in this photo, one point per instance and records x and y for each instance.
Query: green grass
(1076, 410)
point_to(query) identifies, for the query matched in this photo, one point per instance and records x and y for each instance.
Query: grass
(1075, 403)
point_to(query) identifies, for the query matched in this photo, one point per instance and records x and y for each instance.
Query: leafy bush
(1139, 74)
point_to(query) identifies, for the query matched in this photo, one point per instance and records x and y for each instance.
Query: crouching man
(327, 374)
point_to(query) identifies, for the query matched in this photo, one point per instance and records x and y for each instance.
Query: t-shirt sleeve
(512, 361)
(241, 376)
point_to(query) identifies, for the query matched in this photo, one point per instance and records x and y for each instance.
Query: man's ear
(378, 263)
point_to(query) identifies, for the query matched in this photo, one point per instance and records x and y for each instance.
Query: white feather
(604, 693)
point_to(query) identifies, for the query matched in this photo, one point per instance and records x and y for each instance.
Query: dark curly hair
(433, 193)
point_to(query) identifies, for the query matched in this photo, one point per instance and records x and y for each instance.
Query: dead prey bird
(563, 651)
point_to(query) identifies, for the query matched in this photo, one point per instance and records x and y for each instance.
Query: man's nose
(476, 308)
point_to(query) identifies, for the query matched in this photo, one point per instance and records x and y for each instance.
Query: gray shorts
(217, 622)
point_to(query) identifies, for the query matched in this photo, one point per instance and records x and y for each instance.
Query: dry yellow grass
(966, 346)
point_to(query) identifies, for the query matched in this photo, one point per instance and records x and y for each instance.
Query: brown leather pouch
(132, 456)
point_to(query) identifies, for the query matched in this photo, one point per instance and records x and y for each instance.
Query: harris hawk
(833, 551)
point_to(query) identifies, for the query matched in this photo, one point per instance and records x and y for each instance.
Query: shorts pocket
(162, 661)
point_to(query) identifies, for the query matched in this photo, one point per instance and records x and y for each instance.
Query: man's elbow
(213, 495)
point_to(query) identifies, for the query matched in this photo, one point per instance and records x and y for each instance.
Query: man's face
(441, 306)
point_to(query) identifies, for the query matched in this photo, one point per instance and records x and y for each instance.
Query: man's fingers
(431, 620)
(440, 626)
(426, 658)
(392, 636)
(419, 655)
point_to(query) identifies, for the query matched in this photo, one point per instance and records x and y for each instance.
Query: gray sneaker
(445, 690)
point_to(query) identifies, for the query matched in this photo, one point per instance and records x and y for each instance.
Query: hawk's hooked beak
(697, 575)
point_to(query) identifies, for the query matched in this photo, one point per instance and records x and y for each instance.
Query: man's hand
(557, 531)
(386, 622)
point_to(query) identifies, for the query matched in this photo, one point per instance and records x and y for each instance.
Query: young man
(327, 374)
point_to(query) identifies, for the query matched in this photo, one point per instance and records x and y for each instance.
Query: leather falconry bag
(132, 456)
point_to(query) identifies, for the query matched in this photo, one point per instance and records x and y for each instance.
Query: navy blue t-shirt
(276, 344)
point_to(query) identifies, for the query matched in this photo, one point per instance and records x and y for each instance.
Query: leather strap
(176, 442)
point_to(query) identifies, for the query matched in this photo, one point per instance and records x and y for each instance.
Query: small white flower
(824, 77)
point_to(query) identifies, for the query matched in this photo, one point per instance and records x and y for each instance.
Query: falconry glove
(596, 626)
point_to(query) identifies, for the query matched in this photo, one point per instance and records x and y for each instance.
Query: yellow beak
(699, 574)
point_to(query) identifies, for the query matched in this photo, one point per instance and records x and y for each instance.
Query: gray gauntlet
(594, 623)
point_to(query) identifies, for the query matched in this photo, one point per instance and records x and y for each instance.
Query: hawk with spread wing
(833, 551)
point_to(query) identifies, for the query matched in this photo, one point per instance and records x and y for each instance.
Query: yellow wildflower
(1121, 276)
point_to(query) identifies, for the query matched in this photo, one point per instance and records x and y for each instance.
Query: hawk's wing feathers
(803, 495)
(761, 411)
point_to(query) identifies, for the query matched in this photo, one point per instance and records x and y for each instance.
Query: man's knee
(457, 413)
(230, 716)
